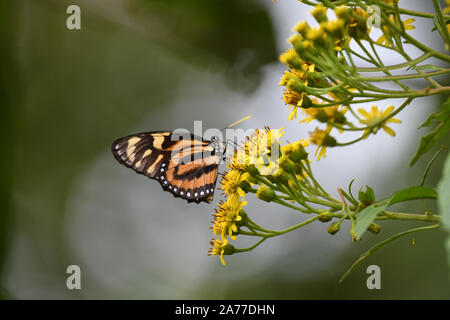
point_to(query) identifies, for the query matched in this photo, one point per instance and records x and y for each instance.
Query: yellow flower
(386, 38)
(375, 120)
(357, 27)
(291, 97)
(326, 115)
(257, 150)
(291, 59)
(218, 249)
(312, 114)
(226, 217)
(231, 182)
(407, 24)
(322, 139)
(447, 9)
(294, 99)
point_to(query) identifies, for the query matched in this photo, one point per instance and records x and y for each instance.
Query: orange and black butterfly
(184, 164)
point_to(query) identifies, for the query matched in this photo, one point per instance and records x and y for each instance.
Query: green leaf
(366, 197)
(444, 202)
(367, 215)
(412, 193)
(442, 117)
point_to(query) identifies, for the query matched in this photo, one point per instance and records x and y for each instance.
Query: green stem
(446, 36)
(365, 255)
(389, 215)
(294, 227)
(405, 76)
(396, 66)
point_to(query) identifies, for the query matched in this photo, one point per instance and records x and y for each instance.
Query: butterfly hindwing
(186, 166)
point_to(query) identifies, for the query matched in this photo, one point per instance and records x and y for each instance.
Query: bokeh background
(144, 65)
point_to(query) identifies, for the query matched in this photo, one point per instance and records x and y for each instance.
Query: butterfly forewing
(184, 165)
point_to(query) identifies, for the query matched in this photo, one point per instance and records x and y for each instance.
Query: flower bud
(286, 164)
(335, 28)
(296, 152)
(307, 102)
(320, 13)
(329, 141)
(302, 27)
(298, 170)
(291, 59)
(229, 249)
(252, 170)
(325, 217)
(295, 85)
(295, 40)
(321, 116)
(245, 186)
(280, 177)
(339, 117)
(374, 228)
(333, 228)
(342, 12)
(316, 35)
(265, 193)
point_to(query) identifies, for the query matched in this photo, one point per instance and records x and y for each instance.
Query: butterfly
(184, 164)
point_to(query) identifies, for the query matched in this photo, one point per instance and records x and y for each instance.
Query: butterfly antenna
(235, 123)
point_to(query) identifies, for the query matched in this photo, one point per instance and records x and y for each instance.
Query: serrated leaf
(367, 215)
(430, 139)
(412, 193)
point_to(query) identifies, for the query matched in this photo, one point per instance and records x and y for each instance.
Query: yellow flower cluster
(260, 155)
(309, 84)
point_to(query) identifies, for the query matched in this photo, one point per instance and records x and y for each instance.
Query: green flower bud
(321, 116)
(252, 170)
(295, 85)
(280, 177)
(325, 217)
(374, 228)
(296, 152)
(265, 193)
(229, 249)
(286, 164)
(339, 117)
(298, 168)
(334, 228)
(329, 141)
(307, 102)
(245, 186)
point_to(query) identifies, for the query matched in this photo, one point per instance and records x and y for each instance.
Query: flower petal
(389, 130)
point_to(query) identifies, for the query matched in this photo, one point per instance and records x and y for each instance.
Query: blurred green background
(150, 65)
